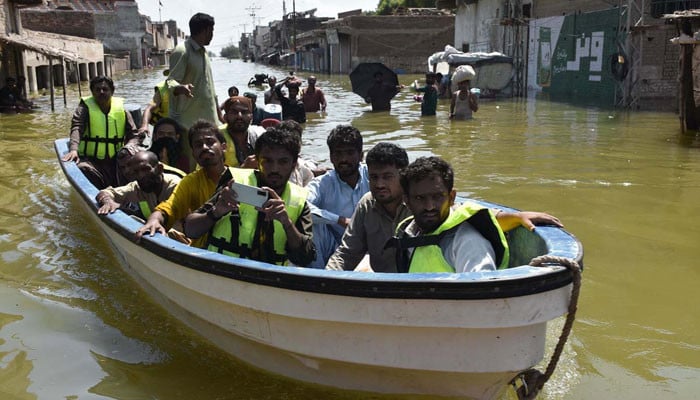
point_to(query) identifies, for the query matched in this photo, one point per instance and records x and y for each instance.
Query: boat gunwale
(511, 282)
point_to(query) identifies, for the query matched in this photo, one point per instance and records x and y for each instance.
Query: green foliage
(230, 51)
(387, 7)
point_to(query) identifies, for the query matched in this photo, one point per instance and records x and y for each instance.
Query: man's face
(148, 177)
(384, 183)
(346, 160)
(429, 200)
(102, 93)
(209, 35)
(312, 81)
(276, 165)
(207, 149)
(293, 91)
(430, 79)
(238, 117)
(166, 131)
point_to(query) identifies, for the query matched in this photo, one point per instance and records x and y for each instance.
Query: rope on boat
(532, 380)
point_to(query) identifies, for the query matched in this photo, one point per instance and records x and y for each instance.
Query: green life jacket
(427, 256)
(164, 106)
(104, 135)
(233, 234)
(145, 209)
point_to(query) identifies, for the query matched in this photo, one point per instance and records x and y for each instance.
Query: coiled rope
(532, 380)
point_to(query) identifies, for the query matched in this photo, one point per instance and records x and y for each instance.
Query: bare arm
(527, 219)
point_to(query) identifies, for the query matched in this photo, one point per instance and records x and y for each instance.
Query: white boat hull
(467, 347)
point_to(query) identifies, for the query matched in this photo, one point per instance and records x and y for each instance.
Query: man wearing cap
(239, 133)
(258, 113)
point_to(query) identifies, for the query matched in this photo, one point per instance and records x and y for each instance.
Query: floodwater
(74, 326)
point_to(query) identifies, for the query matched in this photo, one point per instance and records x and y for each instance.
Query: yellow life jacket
(233, 234)
(230, 154)
(104, 135)
(427, 256)
(164, 106)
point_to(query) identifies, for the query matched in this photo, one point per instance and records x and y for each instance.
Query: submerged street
(73, 325)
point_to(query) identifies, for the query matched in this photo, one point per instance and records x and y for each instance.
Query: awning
(28, 43)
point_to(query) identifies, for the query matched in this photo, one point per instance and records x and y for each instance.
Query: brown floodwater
(74, 326)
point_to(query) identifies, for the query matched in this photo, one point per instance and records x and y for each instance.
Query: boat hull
(386, 333)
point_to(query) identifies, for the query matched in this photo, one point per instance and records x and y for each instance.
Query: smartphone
(247, 194)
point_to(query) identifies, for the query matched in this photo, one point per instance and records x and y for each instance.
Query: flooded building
(402, 42)
(116, 23)
(46, 60)
(607, 53)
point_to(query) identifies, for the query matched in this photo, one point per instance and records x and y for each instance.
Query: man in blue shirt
(334, 195)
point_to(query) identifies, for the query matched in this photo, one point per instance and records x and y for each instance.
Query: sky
(233, 17)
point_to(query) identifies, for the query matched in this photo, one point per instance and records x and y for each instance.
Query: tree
(387, 7)
(230, 51)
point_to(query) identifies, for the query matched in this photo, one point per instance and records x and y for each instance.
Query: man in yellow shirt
(208, 147)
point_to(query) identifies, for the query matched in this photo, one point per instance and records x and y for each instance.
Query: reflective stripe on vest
(428, 257)
(163, 107)
(145, 209)
(245, 223)
(104, 135)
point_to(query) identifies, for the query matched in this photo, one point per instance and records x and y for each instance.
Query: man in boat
(240, 134)
(258, 113)
(334, 195)
(193, 95)
(305, 169)
(159, 106)
(379, 213)
(167, 134)
(99, 128)
(208, 146)
(313, 97)
(277, 232)
(142, 195)
(440, 238)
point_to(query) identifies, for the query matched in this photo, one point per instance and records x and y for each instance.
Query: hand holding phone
(247, 194)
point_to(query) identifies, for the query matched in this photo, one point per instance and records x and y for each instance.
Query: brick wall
(72, 23)
(551, 8)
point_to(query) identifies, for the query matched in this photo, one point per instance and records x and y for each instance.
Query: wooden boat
(461, 335)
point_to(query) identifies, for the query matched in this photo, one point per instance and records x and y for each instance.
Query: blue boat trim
(512, 282)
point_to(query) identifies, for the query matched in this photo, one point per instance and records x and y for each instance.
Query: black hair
(280, 138)
(200, 22)
(344, 135)
(99, 79)
(292, 126)
(425, 167)
(169, 121)
(231, 89)
(385, 153)
(206, 126)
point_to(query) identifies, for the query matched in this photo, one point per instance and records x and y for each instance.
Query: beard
(171, 147)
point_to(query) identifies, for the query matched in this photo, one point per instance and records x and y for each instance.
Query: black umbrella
(362, 77)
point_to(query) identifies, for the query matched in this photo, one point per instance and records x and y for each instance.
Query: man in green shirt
(191, 82)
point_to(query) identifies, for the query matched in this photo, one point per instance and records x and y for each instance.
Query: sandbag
(463, 73)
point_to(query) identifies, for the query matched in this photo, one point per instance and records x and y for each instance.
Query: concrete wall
(401, 42)
(122, 31)
(478, 28)
(551, 8)
(72, 23)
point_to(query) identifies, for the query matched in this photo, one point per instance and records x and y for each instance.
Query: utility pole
(294, 32)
